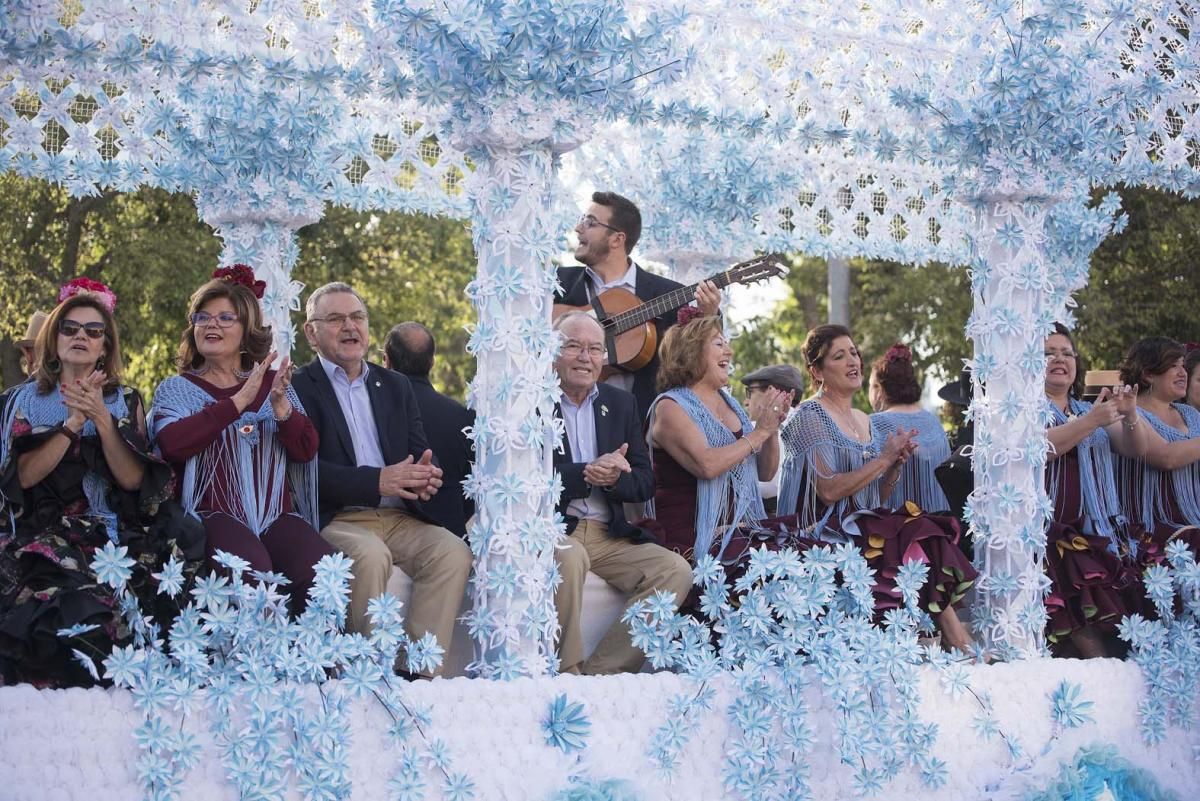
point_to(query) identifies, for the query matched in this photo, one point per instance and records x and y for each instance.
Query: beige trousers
(437, 562)
(639, 570)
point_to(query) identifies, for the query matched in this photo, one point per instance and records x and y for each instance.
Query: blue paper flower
(566, 725)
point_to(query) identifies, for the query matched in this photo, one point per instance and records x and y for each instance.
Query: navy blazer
(617, 422)
(340, 481)
(444, 420)
(574, 283)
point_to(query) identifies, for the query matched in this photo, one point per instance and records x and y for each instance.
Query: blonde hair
(681, 357)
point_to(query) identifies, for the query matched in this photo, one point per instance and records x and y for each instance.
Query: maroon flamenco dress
(1164, 505)
(249, 513)
(1090, 584)
(722, 516)
(815, 445)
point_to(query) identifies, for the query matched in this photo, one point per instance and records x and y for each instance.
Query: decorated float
(981, 133)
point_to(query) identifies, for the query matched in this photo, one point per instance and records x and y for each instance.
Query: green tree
(407, 267)
(925, 307)
(153, 250)
(149, 246)
(1143, 282)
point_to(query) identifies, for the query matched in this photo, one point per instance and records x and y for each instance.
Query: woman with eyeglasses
(839, 474)
(1090, 546)
(1161, 491)
(241, 445)
(75, 476)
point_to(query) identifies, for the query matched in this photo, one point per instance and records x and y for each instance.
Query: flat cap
(781, 376)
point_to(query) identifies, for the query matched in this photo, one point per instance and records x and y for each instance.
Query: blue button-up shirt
(580, 422)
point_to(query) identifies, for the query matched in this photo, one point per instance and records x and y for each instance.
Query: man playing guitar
(607, 233)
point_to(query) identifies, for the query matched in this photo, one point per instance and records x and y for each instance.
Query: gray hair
(559, 322)
(310, 308)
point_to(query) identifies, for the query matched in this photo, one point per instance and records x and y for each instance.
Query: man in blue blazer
(603, 465)
(608, 232)
(374, 471)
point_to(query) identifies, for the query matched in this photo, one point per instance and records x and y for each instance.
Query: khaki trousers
(437, 562)
(639, 570)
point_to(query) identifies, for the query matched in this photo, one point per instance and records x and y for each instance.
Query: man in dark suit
(603, 465)
(409, 349)
(608, 232)
(375, 469)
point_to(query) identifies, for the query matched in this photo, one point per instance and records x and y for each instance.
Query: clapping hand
(607, 468)
(249, 391)
(85, 400)
(1106, 410)
(280, 405)
(769, 408)
(1125, 399)
(900, 446)
(411, 480)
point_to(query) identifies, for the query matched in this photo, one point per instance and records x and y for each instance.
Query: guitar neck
(675, 299)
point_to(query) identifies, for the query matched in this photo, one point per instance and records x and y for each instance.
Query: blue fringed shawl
(729, 500)
(45, 411)
(1144, 489)
(248, 450)
(814, 445)
(1097, 480)
(917, 481)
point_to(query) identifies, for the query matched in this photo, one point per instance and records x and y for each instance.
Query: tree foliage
(1144, 281)
(153, 250)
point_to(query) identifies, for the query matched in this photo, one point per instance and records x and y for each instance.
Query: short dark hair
(1191, 361)
(410, 348)
(1149, 356)
(1080, 385)
(625, 216)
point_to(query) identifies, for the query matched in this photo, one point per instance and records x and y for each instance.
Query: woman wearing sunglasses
(75, 475)
(235, 431)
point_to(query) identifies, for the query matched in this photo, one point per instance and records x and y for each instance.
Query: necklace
(845, 422)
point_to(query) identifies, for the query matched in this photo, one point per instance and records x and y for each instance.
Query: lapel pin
(377, 385)
(603, 410)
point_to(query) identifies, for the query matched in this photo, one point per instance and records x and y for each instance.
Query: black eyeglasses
(224, 319)
(69, 328)
(588, 221)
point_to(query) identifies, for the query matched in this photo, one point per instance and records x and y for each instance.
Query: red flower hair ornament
(86, 286)
(687, 314)
(898, 353)
(241, 274)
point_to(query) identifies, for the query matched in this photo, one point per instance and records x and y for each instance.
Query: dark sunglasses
(69, 328)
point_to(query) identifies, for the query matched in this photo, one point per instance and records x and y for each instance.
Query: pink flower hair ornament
(86, 286)
(241, 274)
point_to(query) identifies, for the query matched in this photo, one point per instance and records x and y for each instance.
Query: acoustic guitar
(628, 321)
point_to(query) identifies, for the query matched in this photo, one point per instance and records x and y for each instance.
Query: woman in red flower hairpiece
(238, 438)
(242, 274)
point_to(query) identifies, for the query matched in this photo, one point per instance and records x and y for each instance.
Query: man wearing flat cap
(786, 378)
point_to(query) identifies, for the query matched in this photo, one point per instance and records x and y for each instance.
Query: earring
(54, 365)
(100, 363)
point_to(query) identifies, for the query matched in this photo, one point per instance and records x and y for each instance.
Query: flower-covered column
(1009, 509)
(268, 244)
(516, 232)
